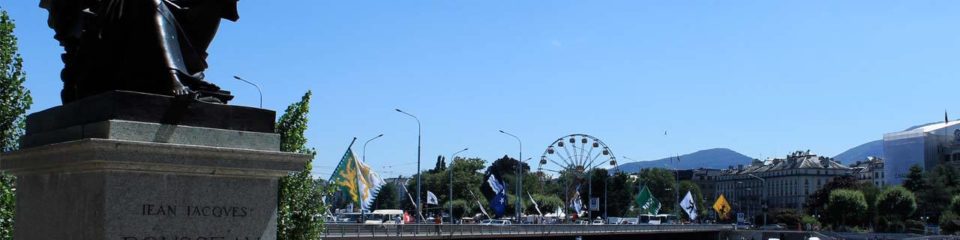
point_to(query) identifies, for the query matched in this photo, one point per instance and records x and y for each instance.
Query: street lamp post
(450, 196)
(364, 157)
(764, 205)
(254, 85)
(419, 135)
(605, 180)
(519, 175)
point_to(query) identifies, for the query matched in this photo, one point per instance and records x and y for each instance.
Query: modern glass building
(926, 146)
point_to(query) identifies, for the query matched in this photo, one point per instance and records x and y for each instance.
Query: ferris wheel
(575, 154)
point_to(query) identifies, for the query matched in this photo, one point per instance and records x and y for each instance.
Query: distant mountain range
(718, 158)
(721, 158)
(870, 149)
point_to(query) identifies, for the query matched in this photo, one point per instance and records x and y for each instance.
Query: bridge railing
(414, 230)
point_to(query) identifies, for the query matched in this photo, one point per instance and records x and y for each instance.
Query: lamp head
(237, 77)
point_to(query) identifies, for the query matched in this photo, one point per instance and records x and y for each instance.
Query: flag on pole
(576, 203)
(356, 179)
(689, 206)
(494, 184)
(483, 210)
(370, 184)
(648, 203)
(722, 207)
(945, 118)
(535, 205)
(499, 201)
(413, 202)
(431, 198)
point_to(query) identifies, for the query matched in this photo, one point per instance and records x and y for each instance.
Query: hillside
(711, 158)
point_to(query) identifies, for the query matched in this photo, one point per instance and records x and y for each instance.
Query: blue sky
(760, 77)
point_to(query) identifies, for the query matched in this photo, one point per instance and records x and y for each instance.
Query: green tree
(846, 207)
(786, 216)
(299, 214)
(817, 201)
(598, 178)
(467, 179)
(620, 194)
(915, 181)
(938, 185)
(441, 164)
(15, 100)
(386, 198)
(949, 219)
(894, 205)
(870, 193)
(662, 184)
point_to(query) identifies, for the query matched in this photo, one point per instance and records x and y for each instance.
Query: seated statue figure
(153, 46)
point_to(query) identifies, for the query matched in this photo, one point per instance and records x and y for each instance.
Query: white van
(384, 216)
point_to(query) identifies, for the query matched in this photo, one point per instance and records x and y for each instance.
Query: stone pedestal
(125, 179)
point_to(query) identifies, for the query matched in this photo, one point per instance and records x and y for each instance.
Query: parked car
(496, 222)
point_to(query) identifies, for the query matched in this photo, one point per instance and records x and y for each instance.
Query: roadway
(532, 231)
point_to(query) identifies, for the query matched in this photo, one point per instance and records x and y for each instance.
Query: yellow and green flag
(360, 183)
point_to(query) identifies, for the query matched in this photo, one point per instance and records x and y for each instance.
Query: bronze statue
(154, 46)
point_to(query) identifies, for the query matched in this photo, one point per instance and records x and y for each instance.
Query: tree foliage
(300, 210)
(387, 197)
(787, 216)
(817, 201)
(467, 181)
(949, 219)
(846, 207)
(15, 100)
(620, 193)
(939, 185)
(662, 184)
(915, 181)
(894, 205)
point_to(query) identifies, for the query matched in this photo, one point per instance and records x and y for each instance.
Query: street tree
(817, 201)
(15, 100)
(299, 214)
(846, 207)
(662, 184)
(894, 205)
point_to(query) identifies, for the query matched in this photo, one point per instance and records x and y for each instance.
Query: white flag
(431, 199)
(535, 205)
(483, 210)
(689, 206)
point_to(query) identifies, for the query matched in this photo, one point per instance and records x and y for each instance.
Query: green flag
(648, 203)
(345, 177)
